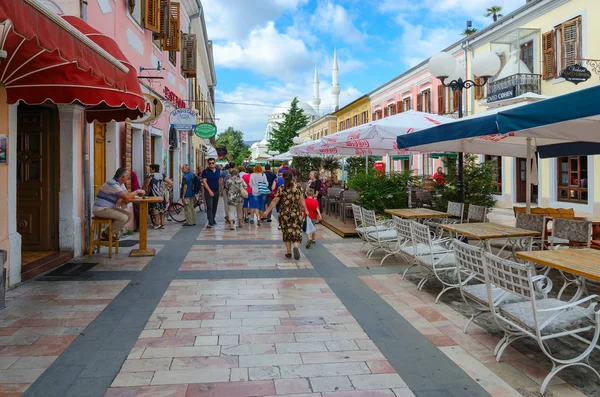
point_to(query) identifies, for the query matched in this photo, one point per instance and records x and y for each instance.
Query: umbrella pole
(528, 178)
(410, 161)
(367, 163)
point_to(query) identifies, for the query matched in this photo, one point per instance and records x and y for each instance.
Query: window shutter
(549, 60)
(478, 90)
(151, 15)
(441, 99)
(420, 102)
(571, 42)
(399, 106)
(455, 101)
(188, 54)
(385, 112)
(165, 6)
(173, 41)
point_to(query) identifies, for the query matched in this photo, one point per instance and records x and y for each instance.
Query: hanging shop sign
(575, 74)
(183, 119)
(174, 99)
(153, 108)
(501, 94)
(205, 130)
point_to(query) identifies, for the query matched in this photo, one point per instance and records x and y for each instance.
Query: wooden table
(583, 263)
(143, 226)
(417, 213)
(487, 231)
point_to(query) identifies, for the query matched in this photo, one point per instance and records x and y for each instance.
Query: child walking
(314, 214)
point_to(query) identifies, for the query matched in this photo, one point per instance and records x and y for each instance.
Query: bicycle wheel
(176, 211)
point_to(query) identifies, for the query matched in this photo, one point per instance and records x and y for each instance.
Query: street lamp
(297, 140)
(444, 67)
(273, 153)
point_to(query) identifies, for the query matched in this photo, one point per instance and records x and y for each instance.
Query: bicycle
(199, 201)
(173, 211)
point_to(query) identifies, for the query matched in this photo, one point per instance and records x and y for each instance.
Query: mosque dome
(285, 106)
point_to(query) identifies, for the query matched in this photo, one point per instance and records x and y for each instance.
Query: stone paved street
(222, 313)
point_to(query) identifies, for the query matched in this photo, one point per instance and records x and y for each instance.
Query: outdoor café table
(417, 213)
(144, 250)
(583, 263)
(487, 231)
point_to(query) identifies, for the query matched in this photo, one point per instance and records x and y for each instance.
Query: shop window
(573, 179)
(497, 160)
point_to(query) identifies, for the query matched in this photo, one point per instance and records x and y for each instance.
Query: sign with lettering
(501, 94)
(174, 99)
(205, 130)
(153, 108)
(183, 119)
(575, 74)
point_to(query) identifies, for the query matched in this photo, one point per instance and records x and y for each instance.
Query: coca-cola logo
(328, 150)
(496, 137)
(354, 135)
(358, 143)
(310, 147)
(363, 152)
(332, 139)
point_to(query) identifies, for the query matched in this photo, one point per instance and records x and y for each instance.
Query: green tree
(356, 165)
(494, 12)
(304, 165)
(233, 141)
(469, 31)
(284, 133)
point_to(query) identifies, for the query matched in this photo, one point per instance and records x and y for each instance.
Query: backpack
(196, 184)
(324, 189)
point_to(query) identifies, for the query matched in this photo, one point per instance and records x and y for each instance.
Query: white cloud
(266, 51)
(418, 43)
(335, 19)
(468, 9)
(234, 19)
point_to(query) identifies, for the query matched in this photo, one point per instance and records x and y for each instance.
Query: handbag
(243, 192)
(263, 188)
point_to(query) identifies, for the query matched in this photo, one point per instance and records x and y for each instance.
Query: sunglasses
(211, 163)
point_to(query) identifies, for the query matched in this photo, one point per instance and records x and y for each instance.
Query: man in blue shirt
(188, 197)
(212, 182)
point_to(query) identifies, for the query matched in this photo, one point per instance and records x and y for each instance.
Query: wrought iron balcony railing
(513, 86)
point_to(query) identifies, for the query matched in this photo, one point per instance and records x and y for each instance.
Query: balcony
(513, 86)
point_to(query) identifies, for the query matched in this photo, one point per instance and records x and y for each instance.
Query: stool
(98, 224)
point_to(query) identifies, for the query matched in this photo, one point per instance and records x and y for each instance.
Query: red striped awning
(65, 61)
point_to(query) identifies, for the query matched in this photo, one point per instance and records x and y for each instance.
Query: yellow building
(355, 113)
(535, 43)
(319, 128)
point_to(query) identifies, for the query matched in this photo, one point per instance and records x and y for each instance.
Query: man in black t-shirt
(271, 177)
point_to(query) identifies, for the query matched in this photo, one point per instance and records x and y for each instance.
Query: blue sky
(265, 51)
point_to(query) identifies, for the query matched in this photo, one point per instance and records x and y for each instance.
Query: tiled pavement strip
(244, 332)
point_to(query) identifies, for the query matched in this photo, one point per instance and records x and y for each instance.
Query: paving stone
(248, 349)
(341, 345)
(239, 374)
(234, 389)
(330, 383)
(264, 360)
(292, 386)
(263, 373)
(19, 375)
(152, 333)
(187, 376)
(228, 340)
(313, 370)
(148, 364)
(149, 391)
(128, 379)
(255, 322)
(204, 362)
(343, 356)
(300, 347)
(6, 362)
(181, 351)
(33, 362)
(206, 340)
(376, 381)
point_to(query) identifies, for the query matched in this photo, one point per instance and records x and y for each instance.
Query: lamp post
(444, 67)
(273, 153)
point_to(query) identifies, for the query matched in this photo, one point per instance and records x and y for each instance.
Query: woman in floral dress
(291, 209)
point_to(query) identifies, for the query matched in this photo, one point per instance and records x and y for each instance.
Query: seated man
(111, 201)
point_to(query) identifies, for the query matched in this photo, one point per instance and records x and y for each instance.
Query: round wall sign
(153, 108)
(183, 119)
(205, 130)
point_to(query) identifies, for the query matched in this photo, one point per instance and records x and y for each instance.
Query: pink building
(416, 89)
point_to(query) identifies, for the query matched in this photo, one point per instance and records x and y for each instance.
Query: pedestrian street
(223, 313)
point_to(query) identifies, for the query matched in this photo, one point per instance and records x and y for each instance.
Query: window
(348, 123)
(561, 47)
(341, 125)
(441, 99)
(453, 97)
(497, 160)
(355, 120)
(478, 91)
(135, 10)
(391, 109)
(426, 100)
(406, 104)
(573, 179)
(527, 55)
(173, 57)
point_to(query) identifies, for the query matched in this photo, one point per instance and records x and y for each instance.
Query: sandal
(288, 255)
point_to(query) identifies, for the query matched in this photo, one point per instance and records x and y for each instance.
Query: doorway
(37, 179)
(99, 156)
(521, 182)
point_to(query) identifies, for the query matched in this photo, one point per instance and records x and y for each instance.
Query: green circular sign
(205, 130)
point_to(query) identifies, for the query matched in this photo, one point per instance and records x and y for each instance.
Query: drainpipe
(83, 9)
(191, 87)
(86, 181)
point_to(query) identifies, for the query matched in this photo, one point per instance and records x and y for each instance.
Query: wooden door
(521, 179)
(37, 176)
(99, 156)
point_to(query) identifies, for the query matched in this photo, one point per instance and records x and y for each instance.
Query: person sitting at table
(111, 201)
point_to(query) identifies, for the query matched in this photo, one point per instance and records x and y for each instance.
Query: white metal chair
(469, 260)
(540, 319)
(381, 237)
(476, 213)
(435, 258)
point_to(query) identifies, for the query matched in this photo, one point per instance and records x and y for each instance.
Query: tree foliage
(379, 191)
(233, 141)
(479, 184)
(304, 165)
(356, 165)
(469, 31)
(494, 12)
(284, 133)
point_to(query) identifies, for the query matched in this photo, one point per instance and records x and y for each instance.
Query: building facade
(319, 128)
(535, 43)
(355, 113)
